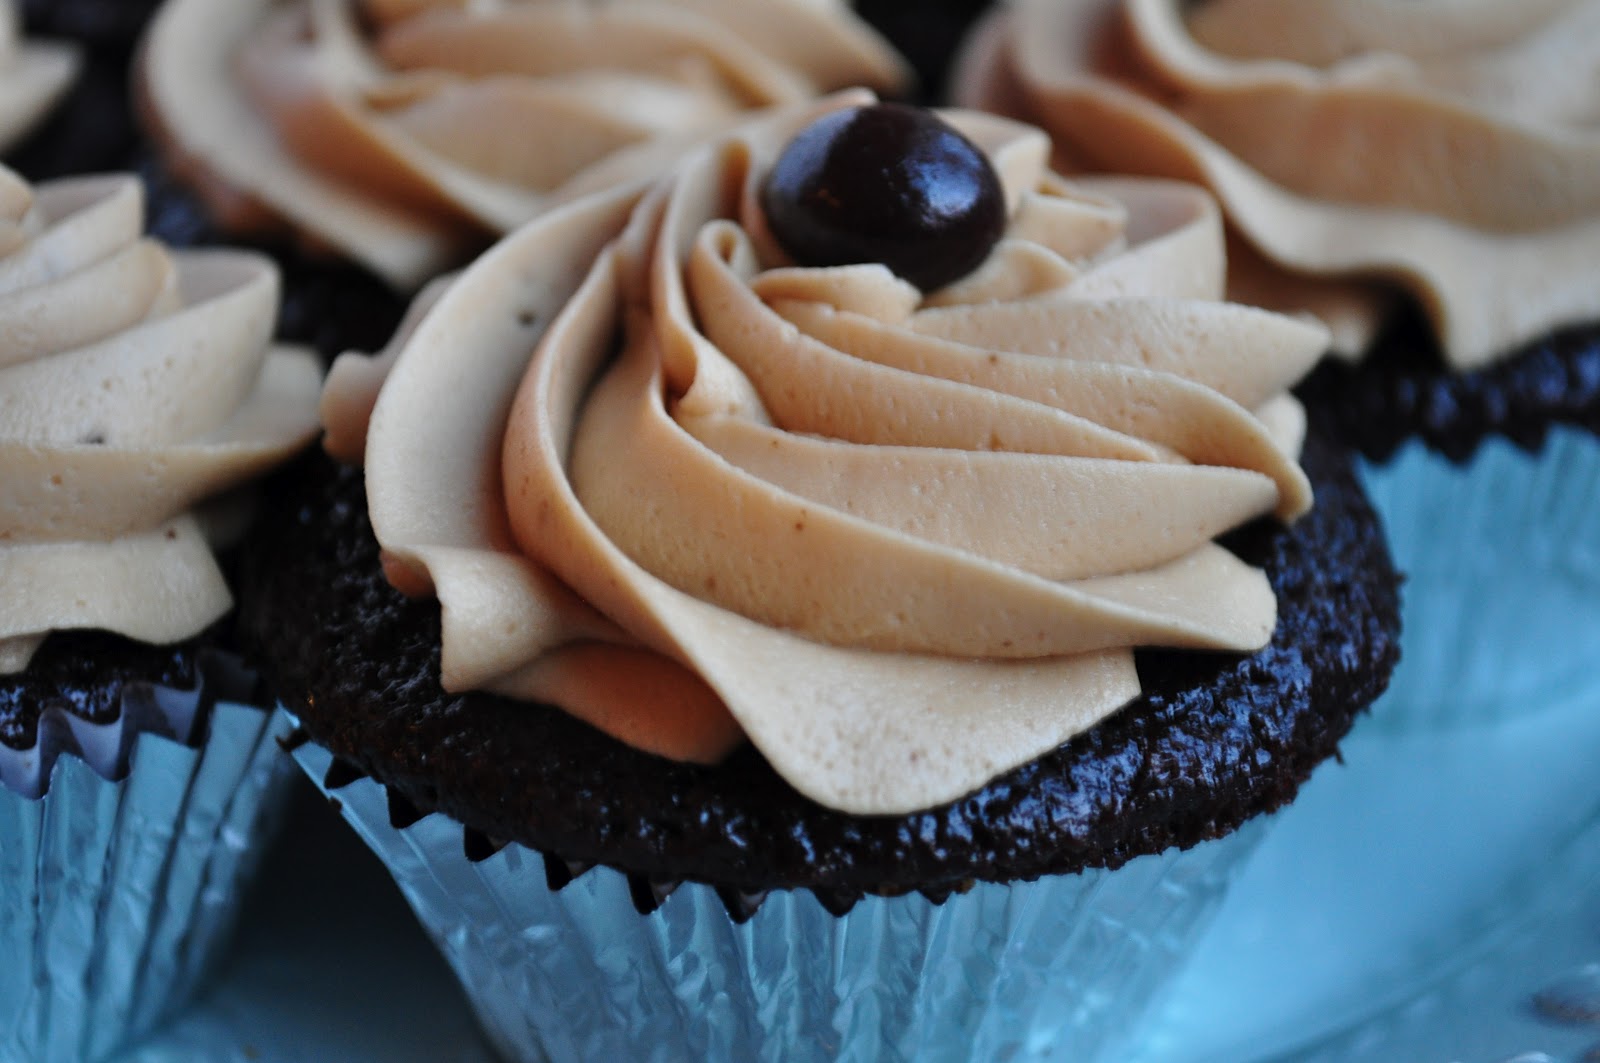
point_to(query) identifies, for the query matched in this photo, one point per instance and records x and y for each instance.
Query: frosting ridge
(901, 543)
(1451, 151)
(135, 383)
(402, 132)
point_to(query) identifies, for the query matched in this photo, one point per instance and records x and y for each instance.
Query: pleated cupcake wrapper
(1501, 606)
(1058, 968)
(119, 894)
(108, 748)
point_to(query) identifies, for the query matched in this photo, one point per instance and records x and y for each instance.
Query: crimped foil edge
(172, 712)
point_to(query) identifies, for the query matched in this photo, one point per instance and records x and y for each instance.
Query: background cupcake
(401, 135)
(1429, 184)
(1351, 147)
(963, 728)
(135, 385)
(441, 122)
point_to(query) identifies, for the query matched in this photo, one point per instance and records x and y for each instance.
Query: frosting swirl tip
(34, 76)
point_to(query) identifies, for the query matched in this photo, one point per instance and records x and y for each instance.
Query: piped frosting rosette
(135, 382)
(400, 132)
(1452, 149)
(661, 477)
(33, 76)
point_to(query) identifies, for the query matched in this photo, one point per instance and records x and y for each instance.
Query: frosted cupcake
(136, 385)
(1429, 184)
(779, 541)
(401, 134)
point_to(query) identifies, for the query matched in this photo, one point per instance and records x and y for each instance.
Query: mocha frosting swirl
(659, 476)
(135, 382)
(400, 132)
(33, 76)
(1452, 150)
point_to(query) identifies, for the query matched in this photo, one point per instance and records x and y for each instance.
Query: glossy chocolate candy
(886, 183)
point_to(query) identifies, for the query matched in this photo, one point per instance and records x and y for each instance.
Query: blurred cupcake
(784, 533)
(401, 134)
(1428, 182)
(1357, 149)
(34, 75)
(135, 385)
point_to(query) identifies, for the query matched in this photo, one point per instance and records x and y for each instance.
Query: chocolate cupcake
(1358, 155)
(136, 762)
(803, 599)
(1429, 184)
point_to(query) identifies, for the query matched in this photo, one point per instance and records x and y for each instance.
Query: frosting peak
(33, 76)
(135, 382)
(401, 131)
(900, 542)
(1452, 149)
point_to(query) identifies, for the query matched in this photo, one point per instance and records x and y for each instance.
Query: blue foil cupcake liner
(122, 861)
(1058, 968)
(1501, 607)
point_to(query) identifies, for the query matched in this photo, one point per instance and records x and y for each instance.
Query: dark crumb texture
(1402, 391)
(85, 674)
(1215, 739)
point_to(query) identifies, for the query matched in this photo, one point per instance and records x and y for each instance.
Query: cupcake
(1428, 183)
(137, 385)
(767, 550)
(402, 134)
(444, 116)
(34, 75)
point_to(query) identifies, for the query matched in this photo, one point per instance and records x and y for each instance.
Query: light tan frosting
(1451, 148)
(135, 382)
(687, 491)
(33, 76)
(398, 131)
